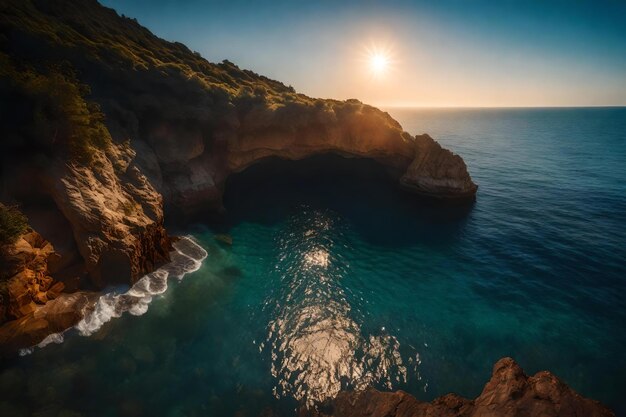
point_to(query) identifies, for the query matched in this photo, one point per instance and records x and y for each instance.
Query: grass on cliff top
(101, 36)
(48, 110)
(12, 224)
(135, 76)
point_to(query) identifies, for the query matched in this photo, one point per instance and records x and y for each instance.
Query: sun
(379, 63)
(378, 59)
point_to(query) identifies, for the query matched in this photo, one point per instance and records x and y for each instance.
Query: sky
(445, 53)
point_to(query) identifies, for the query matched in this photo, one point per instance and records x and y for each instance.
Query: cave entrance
(318, 180)
(363, 191)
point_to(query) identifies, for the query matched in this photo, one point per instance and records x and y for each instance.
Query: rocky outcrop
(116, 217)
(25, 282)
(295, 131)
(351, 129)
(55, 316)
(115, 214)
(32, 303)
(509, 393)
(299, 130)
(437, 172)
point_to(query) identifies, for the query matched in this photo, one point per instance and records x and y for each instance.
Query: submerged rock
(226, 239)
(509, 393)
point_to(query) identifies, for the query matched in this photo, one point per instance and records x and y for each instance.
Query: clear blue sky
(439, 53)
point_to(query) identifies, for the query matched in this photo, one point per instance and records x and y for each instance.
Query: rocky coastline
(167, 129)
(509, 392)
(142, 129)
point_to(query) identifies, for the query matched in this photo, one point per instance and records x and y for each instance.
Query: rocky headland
(509, 392)
(108, 131)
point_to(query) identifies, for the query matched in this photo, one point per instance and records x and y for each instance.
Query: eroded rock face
(116, 216)
(25, 282)
(55, 316)
(508, 393)
(300, 130)
(32, 303)
(437, 172)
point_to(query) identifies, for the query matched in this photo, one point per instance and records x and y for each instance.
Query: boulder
(509, 393)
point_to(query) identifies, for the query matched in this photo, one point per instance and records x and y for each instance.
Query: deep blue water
(344, 282)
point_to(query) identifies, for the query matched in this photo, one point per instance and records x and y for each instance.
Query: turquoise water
(344, 282)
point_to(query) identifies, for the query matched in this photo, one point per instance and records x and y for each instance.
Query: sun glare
(379, 63)
(379, 60)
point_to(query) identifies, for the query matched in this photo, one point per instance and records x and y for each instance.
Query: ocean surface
(336, 281)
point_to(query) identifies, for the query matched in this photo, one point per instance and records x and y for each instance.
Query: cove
(295, 310)
(333, 281)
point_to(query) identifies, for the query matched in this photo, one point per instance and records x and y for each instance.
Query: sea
(323, 276)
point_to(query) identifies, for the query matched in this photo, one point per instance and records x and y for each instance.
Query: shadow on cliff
(359, 190)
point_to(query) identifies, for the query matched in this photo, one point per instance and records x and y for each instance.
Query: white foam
(51, 338)
(26, 351)
(187, 257)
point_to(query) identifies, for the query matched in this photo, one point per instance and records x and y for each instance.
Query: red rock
(55, 290)
(40, 298)
(26, 261)
(20, 295)
(509, 393)
(53, 317)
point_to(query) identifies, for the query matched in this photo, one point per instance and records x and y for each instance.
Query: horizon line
(419, 106)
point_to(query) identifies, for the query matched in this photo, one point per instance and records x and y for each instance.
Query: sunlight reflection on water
(316, 346)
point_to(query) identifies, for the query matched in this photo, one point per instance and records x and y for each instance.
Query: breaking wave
(187, 257)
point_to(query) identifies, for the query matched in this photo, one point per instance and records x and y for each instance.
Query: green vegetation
(12, 224)
(53, 113)
(116, 42)
(65, 63)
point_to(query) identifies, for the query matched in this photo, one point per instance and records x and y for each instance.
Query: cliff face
(33, 303)
(299, 130)
(508, 393)
(115, 214)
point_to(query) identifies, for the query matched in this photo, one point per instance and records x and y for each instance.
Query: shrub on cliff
(12, 224)
(52, 113)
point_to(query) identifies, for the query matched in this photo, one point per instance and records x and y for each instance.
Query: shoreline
(89, 311)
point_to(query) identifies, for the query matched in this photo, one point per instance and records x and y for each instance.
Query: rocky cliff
(509, 393)
(110, 127)
(33, 303)
(106, 128)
